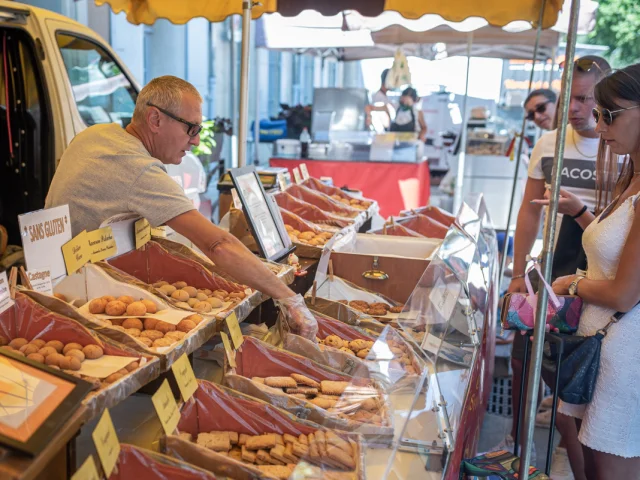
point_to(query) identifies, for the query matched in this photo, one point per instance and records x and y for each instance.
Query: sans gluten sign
(43, 234)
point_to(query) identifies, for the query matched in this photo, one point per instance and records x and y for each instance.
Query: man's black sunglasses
(540, 108)
(193, 130)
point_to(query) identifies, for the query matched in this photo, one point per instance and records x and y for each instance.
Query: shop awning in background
(496, 12)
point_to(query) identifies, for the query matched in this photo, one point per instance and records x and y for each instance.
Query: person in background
(578, 178)
(610, 424)
(380, 102)
(409, 118)
(540, 108)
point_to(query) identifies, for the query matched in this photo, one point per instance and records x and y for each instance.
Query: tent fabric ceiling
(496, 12)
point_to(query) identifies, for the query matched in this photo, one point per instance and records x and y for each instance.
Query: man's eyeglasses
(193, 130)
(540, 108)
(608, 115)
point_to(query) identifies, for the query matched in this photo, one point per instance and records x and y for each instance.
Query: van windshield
(102, 91)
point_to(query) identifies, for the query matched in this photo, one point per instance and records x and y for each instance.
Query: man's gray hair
(165, 92)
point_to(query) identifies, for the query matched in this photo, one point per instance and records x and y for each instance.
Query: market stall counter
(394, 185)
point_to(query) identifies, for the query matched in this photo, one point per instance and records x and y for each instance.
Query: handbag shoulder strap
(615, 318)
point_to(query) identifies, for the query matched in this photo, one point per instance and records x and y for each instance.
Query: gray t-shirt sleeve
(157, 197)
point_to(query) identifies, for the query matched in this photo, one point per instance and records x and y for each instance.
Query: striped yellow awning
(496, 12)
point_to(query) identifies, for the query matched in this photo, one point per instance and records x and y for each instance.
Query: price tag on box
(305, 172)
(41, 280)
(166, 408)
(76, 252)
(185, 378)
(234, 330)
(142, 232)
(282, 181)
(43, 233)
(87, 471)
(102, 244)
(237, 204)
(107, 444)
(297, 176)
(5, 294)
(228, 350)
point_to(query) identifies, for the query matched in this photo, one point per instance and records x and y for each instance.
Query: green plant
(207, 142)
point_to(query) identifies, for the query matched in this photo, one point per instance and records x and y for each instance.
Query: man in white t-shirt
(381, 111)
(578, 180)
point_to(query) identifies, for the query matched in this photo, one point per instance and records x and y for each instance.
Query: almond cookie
(333, 388)
(261, 442)
(334, 341)
(280, 382)
(303, 380)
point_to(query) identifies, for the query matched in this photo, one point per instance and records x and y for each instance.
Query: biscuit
(324, 403)
(163, 342)
(341, 457)
(277, 452)
(185, 436)
(280, 472)
(115, 308)
(288, 453)
(303, 380)
(397, 309)
(242, 438)
(258, 442)
(300, 450)
(303, 390)
(370, 404)
(233, 437)
(333, 388)
(258, 380)
(266, 458)
(359, 302)
(301, 396)
(247, 455)
(146, 341)
(376, 312)
(289, 438)
(216, 441)
(314, 453)
(279, 439)
(321, 442)
(303, 439)
(334, 341)
(151, 334)
(280, 382)
(236, 454)
(336, 441)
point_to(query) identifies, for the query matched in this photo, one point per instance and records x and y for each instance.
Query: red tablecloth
(395, 186)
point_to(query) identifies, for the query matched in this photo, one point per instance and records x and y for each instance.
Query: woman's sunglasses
(540, 108)
(608, 115)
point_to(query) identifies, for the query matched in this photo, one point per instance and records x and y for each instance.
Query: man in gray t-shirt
(108, 170)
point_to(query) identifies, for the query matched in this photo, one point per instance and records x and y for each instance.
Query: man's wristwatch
(573, 288)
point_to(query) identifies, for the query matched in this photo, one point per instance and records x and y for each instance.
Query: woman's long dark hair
(611, 181)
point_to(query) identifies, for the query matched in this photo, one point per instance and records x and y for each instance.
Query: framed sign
(263, 216)
(35, 402)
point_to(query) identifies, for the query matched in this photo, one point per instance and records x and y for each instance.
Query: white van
(57, 77)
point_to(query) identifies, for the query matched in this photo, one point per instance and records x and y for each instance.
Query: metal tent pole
(503, 260)
(457, 193)
(244, 84)
(547, 252)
